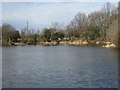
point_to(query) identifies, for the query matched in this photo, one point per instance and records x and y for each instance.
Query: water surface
(59, 67)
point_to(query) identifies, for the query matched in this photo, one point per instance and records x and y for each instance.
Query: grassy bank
(105, 44)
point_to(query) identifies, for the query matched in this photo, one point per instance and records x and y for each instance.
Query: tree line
(92, 27)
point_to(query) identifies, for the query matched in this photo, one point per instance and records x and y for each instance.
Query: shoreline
(104, 44)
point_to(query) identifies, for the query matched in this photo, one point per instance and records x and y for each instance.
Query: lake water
(59, 67)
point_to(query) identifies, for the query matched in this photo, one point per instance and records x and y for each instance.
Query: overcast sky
(42, 14)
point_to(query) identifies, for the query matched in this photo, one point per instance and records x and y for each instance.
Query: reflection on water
(0, 67)
(59, 67)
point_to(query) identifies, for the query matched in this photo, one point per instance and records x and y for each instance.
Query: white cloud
(41, 14)
(0, 14)
(60, 0)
